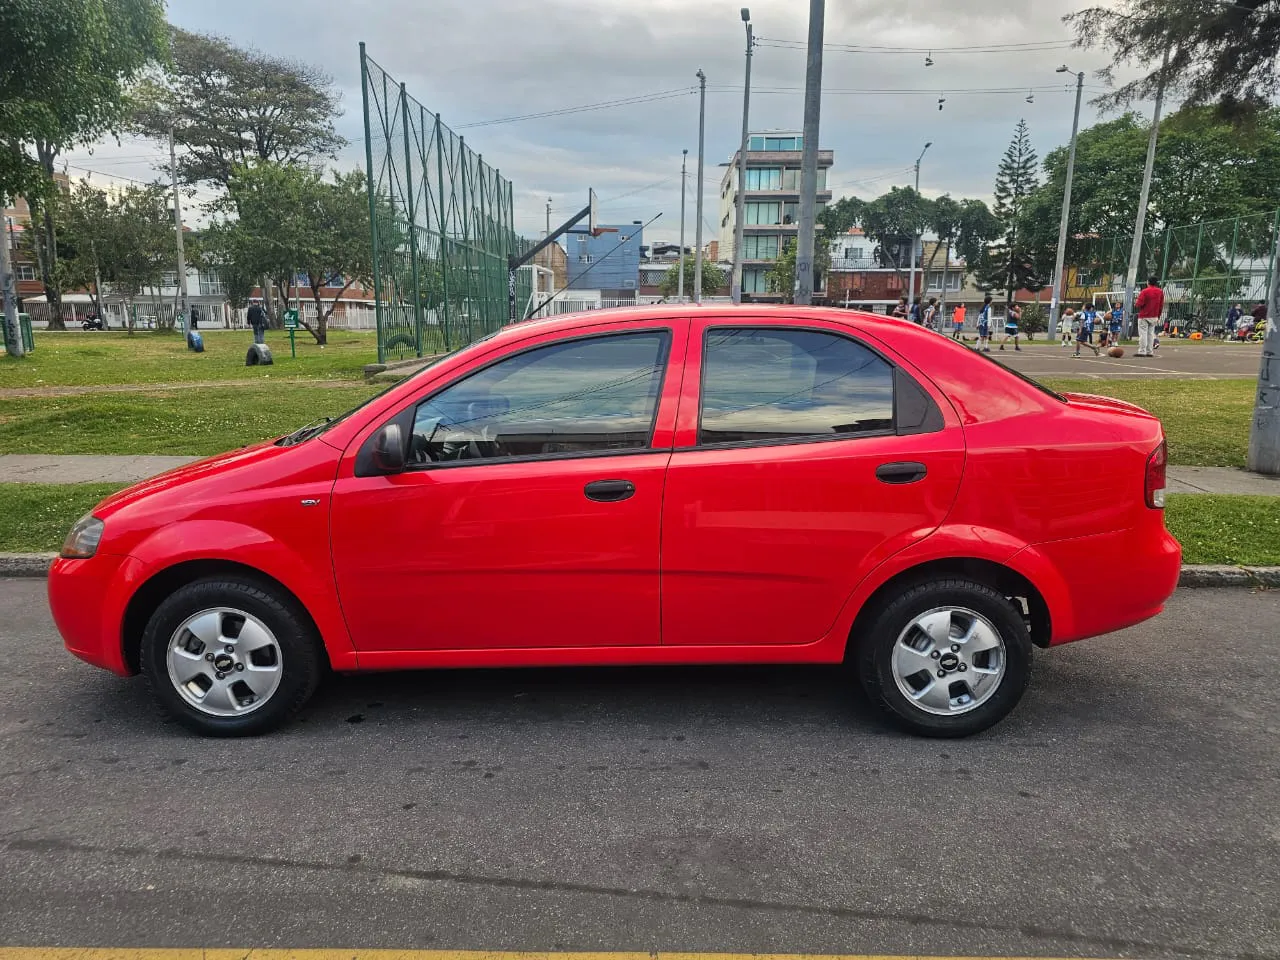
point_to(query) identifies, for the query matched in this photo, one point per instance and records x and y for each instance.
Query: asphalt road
(1130, 807)
(1176, 360)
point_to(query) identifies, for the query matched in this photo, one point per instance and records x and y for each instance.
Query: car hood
(221, 465)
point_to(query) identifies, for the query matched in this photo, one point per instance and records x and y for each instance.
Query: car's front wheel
(227, 657)
(946, 659)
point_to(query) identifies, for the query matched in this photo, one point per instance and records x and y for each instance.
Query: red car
(668, 485)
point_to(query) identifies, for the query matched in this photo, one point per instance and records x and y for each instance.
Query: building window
(760, 248)
(335, 281)
(25, 271)
(764, 178)
(211, 285)
(757, 143)
(585, 258)
(758, 213)
(790, 212)
(169, 278)
(791, 178)
(755, 281)
(953, 280)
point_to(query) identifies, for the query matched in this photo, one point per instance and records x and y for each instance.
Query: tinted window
(579, 396)
(779, 384)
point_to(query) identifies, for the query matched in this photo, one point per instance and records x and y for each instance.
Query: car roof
(872, 322)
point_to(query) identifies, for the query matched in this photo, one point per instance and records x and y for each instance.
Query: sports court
(1176, 359)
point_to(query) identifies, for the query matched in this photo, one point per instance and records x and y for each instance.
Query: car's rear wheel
(226, 657)
(946, 659)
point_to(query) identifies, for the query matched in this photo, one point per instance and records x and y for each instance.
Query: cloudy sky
(481, 60)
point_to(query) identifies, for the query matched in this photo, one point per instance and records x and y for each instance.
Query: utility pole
(177, 226)
(551, 281)
(740, 204)
(1059, 281)
(684, 159)
(697, 230)
(1264, 433)
(1135, 253)
(915, 239)
(809, 156)
(12, 331)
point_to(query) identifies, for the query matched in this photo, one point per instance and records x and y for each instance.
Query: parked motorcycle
(93, 323)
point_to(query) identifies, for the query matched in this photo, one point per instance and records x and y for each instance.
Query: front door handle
(610, 491)
(906, 471)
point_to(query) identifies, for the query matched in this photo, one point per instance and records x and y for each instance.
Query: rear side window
(577, 396)
(778, 384)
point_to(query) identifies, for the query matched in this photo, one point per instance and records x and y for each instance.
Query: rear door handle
(906, 471)
(610, 491)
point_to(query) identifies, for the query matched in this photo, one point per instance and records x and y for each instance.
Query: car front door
(529, 513)
(804, 458)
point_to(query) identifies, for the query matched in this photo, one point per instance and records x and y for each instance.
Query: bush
(1035, 319)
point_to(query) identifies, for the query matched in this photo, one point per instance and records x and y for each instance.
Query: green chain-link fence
(1203, 267)
(441, 220)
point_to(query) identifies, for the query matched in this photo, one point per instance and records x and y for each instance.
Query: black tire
(875, 645)
(301, 657)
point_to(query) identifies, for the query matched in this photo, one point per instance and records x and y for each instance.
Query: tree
(893, 221)
(1223, 53)
(229, 107)
(1010, 264)
(712, 278)
(836, 219)
(782, 275)
(65, 68)
(290, 221)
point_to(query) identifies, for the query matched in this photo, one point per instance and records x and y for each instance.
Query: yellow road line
(355, 953)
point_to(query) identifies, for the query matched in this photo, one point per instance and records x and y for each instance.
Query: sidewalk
(39, 468)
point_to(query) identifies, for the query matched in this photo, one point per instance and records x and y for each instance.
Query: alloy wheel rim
(949, 661)
(224, 662)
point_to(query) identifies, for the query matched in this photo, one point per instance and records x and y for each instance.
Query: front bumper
(88, 599)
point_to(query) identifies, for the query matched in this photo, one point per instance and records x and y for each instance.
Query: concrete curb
(1193, 576)
(25, 564)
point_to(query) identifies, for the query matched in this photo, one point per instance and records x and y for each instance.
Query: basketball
(1116, 352)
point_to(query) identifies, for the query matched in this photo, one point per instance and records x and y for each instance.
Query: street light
(915, 238)
(740, 205)
(1059, 287)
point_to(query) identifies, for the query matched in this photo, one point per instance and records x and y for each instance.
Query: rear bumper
(88, 600)
(1113, 580)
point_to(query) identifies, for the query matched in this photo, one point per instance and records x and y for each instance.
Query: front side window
(578, 396)
(771, 384)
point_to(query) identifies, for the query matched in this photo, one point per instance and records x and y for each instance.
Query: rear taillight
(1155, 479)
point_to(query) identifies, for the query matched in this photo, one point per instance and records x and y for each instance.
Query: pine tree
(1009, 265)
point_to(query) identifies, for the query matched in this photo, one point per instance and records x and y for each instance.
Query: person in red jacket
(1149, 306)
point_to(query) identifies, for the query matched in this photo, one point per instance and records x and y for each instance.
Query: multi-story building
(609, 263)
(771, 199)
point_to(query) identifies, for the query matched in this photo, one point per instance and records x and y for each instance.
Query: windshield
(324, 424)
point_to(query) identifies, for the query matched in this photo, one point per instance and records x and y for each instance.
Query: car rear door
(531, 517)
(805, 456)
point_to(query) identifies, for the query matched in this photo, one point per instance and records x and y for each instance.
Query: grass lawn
(77, 358)
(1206, 421)
(1221, 529)
(197, 421)
(35, 517)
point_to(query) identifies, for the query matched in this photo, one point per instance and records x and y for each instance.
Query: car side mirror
(388, 449)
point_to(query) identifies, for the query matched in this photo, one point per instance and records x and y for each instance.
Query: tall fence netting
(441, 222)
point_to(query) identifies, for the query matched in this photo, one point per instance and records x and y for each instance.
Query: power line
(912, 91)
(583, 108)
(1033, 46)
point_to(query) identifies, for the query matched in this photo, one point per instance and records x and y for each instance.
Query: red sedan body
(722, 529)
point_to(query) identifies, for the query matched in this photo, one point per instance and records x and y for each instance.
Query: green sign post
(291, 324)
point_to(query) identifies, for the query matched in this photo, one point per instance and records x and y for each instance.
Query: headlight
(82, 541)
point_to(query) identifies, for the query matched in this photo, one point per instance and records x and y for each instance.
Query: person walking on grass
(1011, 320)
(1149, 306)
(258, 321)
(984, 326)
(957, 323)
